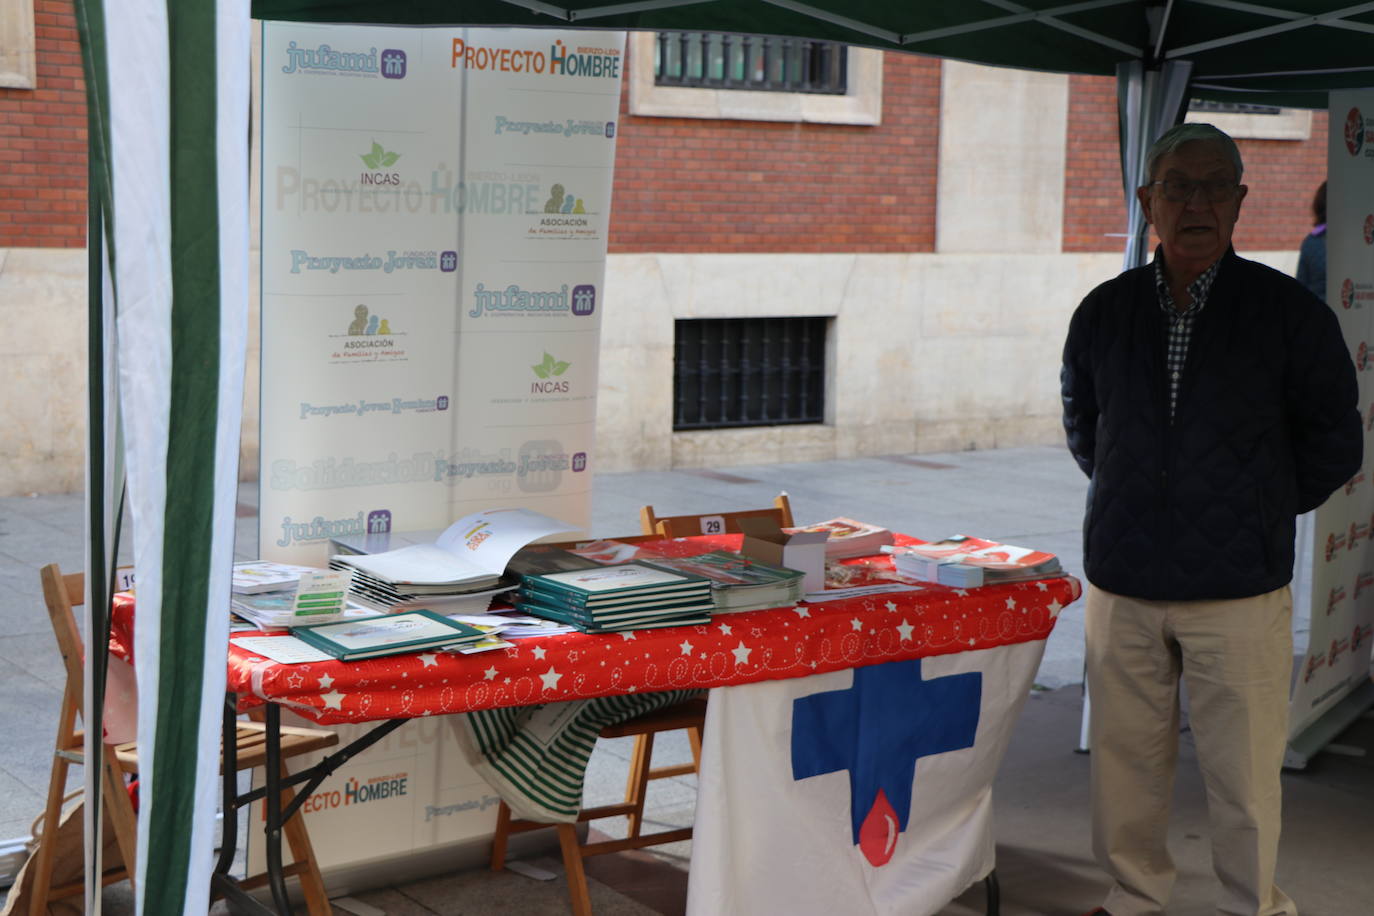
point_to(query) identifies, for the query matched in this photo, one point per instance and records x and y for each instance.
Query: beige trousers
(1236, 659)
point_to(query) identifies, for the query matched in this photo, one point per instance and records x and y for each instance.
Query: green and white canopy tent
(168, 97)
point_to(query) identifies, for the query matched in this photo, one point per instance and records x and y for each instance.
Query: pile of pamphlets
(626, 596)
(739, 583)
(273, 595)
(848, 538)
(969, 562)
(460, 572)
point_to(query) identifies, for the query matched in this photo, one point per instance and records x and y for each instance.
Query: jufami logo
(1354, 131)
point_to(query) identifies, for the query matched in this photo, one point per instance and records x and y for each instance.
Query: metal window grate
(748, 372)
(724, 60)
(1208, 105)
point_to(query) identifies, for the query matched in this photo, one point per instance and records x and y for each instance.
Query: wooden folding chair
(688, 714)
(62, 593)
(681, 526)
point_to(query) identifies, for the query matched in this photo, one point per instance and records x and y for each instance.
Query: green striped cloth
(536, 757)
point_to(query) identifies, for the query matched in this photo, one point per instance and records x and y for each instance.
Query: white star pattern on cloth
(429, 660)
(801, 611)
(905, 629)
(550, 679)
(856, 624)
(1055, 607)
(326, 682)
(972, 641)
(627, 634)
(490, 673)
(891, 606)
(332, 700)
(294, 680)
(1043, 586)
(725, 628)
(741, 654)
(961, 592)
(686, 647)
(1011, 603)
(539, 652)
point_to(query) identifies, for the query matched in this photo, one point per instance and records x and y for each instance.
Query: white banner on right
(1342, 620)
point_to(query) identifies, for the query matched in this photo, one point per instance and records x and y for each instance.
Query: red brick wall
(693, 185)
(1281, 174)
(43, 141)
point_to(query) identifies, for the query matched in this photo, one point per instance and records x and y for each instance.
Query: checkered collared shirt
(1179, 325)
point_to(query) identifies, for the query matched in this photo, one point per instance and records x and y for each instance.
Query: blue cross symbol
(880, 727)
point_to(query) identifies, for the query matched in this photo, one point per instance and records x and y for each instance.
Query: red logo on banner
(1336, 596)
(1361, 356)
(1347, 293)
(1363, 581)
(1354, 131)
(1313, 663)
(1369, 229)
(1354, 482)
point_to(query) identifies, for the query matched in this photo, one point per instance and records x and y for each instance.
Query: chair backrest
(62, 593)
(680, 526)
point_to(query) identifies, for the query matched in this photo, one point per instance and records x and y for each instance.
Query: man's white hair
(1176, 136)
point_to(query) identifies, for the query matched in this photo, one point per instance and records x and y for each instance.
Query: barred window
(748, 372)
(724, 60)
(1210, 107)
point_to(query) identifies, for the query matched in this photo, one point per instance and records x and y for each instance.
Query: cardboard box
(803, 551)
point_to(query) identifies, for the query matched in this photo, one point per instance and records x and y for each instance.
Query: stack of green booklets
(626, 596)
(739, 583)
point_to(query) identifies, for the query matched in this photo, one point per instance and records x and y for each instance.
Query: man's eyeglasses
(1181, 190)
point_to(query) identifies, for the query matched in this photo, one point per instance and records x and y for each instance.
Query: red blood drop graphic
(878, 833)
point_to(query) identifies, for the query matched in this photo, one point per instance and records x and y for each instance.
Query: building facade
(792, 276)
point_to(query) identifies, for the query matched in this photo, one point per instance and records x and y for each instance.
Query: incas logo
(1369, 229)
(1314, 662)
(1354, 482)
(548, 372)
(1334, 544)
(377, 160)
(1334, 599)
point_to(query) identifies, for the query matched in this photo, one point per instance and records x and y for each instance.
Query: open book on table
(469, 556)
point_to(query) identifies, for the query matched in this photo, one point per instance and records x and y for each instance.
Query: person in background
(1312, 254)
(1210, 400)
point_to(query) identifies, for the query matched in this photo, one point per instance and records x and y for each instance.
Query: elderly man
(1210, 400)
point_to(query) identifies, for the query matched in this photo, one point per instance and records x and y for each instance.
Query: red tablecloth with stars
(736, 648)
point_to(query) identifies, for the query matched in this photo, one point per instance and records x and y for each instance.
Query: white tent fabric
(170, 174)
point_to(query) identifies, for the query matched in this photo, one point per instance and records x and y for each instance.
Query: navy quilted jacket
(1266, 427)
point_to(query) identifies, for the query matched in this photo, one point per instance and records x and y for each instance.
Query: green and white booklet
(388, 634)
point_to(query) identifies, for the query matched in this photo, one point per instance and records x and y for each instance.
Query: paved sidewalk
(1030, 496)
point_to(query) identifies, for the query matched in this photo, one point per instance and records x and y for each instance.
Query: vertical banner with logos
(1342, 612)
(435, 207)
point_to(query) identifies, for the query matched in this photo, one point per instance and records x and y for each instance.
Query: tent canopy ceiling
(1288, 52)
